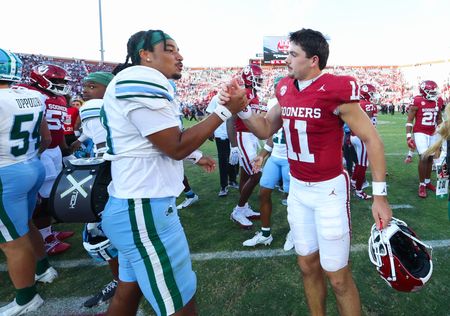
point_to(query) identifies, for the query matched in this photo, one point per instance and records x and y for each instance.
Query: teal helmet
(10, 66)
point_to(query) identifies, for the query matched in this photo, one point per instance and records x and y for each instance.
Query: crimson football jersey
(55, 114)
(71, 119)
(426, 115)
(254, 105)
(313, 128)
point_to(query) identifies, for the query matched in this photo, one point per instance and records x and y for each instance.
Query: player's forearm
(192, 138)
(231, 131)
(259, 126)
(375, 152)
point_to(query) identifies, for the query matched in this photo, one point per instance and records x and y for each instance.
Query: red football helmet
(429, 90)
(51, 78)
(252, 76)
(369, 93)
(402, 260)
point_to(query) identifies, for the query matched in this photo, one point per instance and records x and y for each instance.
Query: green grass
(272, 286)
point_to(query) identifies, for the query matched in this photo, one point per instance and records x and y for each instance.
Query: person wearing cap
(145, 145)
(94, 87)
(275, 169)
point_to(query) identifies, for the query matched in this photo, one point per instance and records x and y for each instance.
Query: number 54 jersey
(313, 128)
(21, 113)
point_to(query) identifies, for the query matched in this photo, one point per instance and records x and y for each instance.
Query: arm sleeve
(151, 121)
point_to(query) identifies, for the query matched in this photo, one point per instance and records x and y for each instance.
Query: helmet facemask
(401, 258)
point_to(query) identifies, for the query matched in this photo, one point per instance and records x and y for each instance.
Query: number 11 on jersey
(297, 140)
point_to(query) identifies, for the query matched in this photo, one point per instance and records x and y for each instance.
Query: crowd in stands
(199, 85)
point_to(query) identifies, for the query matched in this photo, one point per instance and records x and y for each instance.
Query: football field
(233, 280)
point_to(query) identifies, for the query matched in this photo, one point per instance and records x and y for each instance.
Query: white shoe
(365, 185)
(13, 309)
(249, 213)
(47, 277)
(239, 217)
(188, 202)
(223, 192)
(258, 239)
(362, 195)
(289, 243)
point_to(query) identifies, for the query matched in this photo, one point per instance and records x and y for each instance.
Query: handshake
(232, 100)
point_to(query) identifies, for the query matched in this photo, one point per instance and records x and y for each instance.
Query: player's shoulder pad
(344, 88)
(140, 82)
(91, 109)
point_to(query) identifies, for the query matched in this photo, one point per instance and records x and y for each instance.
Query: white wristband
(379, 188)
(223, 112)
(268, 148)
(245, 114)
(409, 124)
(195, 156)
(408, 135)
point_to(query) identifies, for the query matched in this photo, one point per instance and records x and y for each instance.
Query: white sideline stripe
(69, 306)
(399, 206)
(205, 256)
(397, 154)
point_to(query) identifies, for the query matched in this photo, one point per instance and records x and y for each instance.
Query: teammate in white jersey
(145, 145)
(21, 175)
(275, 169)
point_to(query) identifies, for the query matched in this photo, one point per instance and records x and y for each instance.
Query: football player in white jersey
(145, 145)
(94, 87)
(21, 175)
(275, 169)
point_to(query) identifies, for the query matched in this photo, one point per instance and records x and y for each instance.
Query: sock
(25, 295)
(427, 181)
(421, 183)
(42, 265)
(189, 194)
(265, 231)
(240, 208)
(360, 176)
(354, 173)
(45, 232)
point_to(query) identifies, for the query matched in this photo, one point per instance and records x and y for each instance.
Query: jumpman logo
(332, 192)
(322, 88)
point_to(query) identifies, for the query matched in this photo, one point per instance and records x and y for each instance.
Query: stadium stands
(198, 85)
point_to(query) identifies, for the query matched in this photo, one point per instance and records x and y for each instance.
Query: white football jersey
(138, 168)
(90, 121)
(21, 112)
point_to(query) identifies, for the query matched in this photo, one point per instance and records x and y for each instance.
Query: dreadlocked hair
(444, 131)
(133, 49)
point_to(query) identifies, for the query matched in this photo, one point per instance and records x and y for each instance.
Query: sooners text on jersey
(55, 114)
(254, 105)
(426, 114)
(313, 129)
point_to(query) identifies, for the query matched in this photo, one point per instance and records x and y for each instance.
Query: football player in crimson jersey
(369, 100)
(244, 146)
(312, 107)
(51, 81)
(72, 123)
(425, 112)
